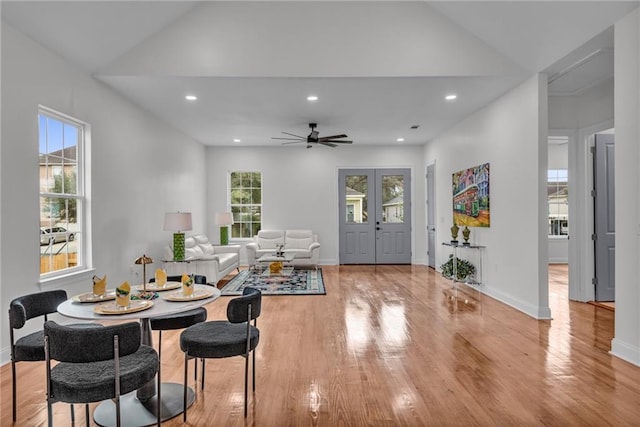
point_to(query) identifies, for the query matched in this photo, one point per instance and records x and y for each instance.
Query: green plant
(464, 268)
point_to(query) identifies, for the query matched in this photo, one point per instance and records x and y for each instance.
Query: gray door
(431, 214)
(604, 217)
(375, 216)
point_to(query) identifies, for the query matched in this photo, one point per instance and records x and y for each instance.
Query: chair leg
(13, 388)
(49, 413)
(118, 421)
(73, 415)
(159, 392)
(184, 396)
(87, 418)
(202, 382)
(254, 370)
(246, 380)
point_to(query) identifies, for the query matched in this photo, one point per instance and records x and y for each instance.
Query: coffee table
(267, 259)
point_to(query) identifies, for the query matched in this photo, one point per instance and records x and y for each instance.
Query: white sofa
(303, 244)
(203, 258)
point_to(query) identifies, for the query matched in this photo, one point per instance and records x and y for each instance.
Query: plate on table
(154, 287)
(90, 297)
(198, 293)
(112, 308)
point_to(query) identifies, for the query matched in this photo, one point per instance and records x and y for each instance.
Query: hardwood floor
(387, 347)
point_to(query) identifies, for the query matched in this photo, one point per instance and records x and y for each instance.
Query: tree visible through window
(245, 194)
(558, 200)
(61, 191)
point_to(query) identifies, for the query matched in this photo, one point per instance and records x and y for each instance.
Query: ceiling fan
(312, 138)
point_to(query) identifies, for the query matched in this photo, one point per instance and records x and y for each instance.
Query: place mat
(112, 308)
(154, 287)
(198, 293)
(89, 297)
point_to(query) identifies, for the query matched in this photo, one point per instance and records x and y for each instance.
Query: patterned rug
(299, 282)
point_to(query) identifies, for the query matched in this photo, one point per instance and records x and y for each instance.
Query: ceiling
(378, 68)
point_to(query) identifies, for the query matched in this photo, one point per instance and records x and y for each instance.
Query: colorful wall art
(471, 197)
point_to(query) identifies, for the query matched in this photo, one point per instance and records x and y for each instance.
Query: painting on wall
(471, 197)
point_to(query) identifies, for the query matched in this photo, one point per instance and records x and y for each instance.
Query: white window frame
(558, 236)
(83, 269)
(230, 206)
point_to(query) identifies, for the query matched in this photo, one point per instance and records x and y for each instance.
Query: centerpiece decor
(463, 269)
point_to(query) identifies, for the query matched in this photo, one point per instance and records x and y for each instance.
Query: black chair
(177, 320)
(96, 364)
(30, 348)
(220, 338)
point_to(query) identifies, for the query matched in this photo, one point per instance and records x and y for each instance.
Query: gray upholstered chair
(220, 338)
(180, 320)
(96, 364)
(30, 348)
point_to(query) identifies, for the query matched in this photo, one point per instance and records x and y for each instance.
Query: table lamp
(177, 222)
(144, 260)
(224, 220)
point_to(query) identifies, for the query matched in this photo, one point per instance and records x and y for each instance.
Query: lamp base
(224, 235)
(178, 246)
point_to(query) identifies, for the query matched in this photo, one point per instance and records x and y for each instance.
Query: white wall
(510, 134)
(140, 169)
(301, 187)
(577, 112)
(626, 343)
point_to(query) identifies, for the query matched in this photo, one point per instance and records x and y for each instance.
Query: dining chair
(30, 348)
(219, 338)
(96, 364)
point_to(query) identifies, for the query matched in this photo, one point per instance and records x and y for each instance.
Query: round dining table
(138, 408)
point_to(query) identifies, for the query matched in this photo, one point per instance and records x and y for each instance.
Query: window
(62, 201)
(558, 201)
(245, 194)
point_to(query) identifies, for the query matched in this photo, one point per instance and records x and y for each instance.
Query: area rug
(299, 282)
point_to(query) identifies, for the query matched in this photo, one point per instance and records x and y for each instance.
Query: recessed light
(190, 97)
(451, 97)
(312, 98)
(236, 140)
(400, 139)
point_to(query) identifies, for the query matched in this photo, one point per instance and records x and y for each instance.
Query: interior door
(375, 216)
(604, 217)
(431, 214)
(393, 216)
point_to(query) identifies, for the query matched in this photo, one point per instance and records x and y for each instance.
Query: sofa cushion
(299, 253)
(268, 239)
(193, 253)
(298, 239)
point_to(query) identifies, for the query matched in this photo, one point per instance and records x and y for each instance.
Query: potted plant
(464, 269)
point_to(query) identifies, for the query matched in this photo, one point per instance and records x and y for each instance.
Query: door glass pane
(392, 198)
(356, 198)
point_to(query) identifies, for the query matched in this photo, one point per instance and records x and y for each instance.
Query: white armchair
(203, 258)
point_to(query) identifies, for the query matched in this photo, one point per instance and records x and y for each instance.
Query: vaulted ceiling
(377, 68)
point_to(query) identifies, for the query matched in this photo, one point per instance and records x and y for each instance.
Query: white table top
(161, 307)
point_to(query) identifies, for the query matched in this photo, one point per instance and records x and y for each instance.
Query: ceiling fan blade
(297, 136)
(328, 144)
(325, 138)
(293, 142)
(287, 139)
(338, 142)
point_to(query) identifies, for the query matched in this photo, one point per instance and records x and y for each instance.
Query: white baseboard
(539, 313)
(625, 351)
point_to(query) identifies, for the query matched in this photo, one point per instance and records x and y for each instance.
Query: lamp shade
(224, 218)
(177, 221)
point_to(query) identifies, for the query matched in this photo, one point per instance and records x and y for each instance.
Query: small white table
(265, 260)
(139, 408)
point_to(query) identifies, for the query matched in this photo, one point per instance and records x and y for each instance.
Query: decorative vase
(454, 233)
(465, 234)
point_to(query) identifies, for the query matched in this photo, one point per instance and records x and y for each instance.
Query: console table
(473, 283)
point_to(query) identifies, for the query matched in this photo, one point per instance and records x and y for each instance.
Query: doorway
(431, 215)
(374, 216)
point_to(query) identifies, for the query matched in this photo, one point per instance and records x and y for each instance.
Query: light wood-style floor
(387, 347)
